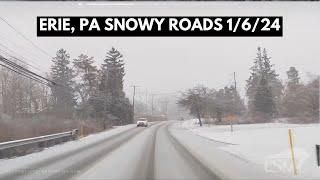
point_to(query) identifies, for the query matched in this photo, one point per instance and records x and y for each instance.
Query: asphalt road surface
(138, 153)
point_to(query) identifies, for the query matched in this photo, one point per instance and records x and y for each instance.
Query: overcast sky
(171, 64)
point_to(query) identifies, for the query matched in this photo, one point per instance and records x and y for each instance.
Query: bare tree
(196, 101)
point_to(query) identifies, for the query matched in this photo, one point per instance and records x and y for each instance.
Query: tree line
(268, 97)
(91, 92)
(81, 91)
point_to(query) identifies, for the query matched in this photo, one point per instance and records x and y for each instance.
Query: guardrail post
(318, 154)
(75, 133)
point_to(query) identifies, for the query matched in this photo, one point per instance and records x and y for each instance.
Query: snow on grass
(267, 144)
(10, 165)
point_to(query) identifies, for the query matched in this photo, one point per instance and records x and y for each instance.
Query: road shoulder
(223, 164)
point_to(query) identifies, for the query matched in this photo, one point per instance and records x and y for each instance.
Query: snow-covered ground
(23, 162)
(267, 145)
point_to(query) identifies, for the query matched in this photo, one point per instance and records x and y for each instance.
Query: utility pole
(134, 93)
(146, 101)
(166, 108)
(235, 93)
(235, 82)
(152, 104)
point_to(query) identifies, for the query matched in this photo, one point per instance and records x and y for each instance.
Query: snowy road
(136, 153)
(152, 154)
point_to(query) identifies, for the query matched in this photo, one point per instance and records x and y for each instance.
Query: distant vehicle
(142, 122)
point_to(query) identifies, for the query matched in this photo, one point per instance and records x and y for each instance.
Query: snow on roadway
(24, 162)
(267, 144)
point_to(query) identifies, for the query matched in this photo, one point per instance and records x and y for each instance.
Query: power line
(166, 94)
(19, 67)
(29, 74)
(22, 74)
(22, 61)
(24, 37)
(30, 53)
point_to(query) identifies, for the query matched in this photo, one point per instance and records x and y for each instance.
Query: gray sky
(171, 64)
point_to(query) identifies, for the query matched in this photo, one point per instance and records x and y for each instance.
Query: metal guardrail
(17, 143)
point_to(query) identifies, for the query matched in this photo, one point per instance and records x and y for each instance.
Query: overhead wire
(25, 75)
(18, 68)
(20, 47)
(22, 61)
(24, 37)
(21, 68)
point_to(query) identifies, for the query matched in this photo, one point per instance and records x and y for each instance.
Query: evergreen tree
(228, 102)
(220, 104)
(112, 74)
(62, 91)
(300, 101)
(263, 99)
(293, 77)
(86, 72)
(292, 100)
(312, 97)
(263, 69)
(253, 80)
(234, 103)
(116, 106)
(273, 80)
